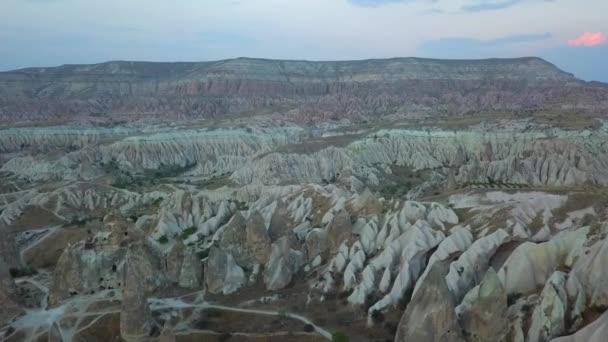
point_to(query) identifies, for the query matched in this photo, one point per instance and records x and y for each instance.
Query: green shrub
(163, 239)
(187, 232)
(22, 272)
(339, 336)
(202, 254)
(377, 316)
(78, 221)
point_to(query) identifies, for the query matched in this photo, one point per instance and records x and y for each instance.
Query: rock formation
(594, 332)
(173, 261)
(234, 239)
(430, 314)
(284, 262)
(280, 222)
(258, 241)
(589, 270)
(531, 264)
(549, 316)
(8, 249)
(339, 230)
(9, 308)
(222, 274)
(183, 267)
(316, 244)
(97, 263)
(135, 317)
(483, 313)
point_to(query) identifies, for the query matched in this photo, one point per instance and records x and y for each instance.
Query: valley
(258, 200)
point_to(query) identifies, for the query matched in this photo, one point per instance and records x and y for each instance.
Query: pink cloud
(589, 39)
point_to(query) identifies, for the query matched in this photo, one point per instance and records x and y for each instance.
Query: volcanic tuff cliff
(301, 89)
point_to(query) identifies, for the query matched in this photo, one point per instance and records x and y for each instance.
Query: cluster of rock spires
(359, 243)
(121, 257)
(489, 233)
(536, 157)
(356, 241)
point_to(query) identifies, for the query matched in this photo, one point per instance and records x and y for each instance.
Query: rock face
(208, 89)
(183, 267)
(8, 249)
(465, 273)
(549, 316)
(174, 259)
(531, 264)
(9, 308)
(484, 316)
(234, 239)
(430, 315)
(589, 269)
(97, 263)
(284, 262)
(412, 247)
(258, 242)
(316, 244)
(280, 222)
(222, 274)
(594, 332)
(135, 317)
(191, 271)
(339, 230)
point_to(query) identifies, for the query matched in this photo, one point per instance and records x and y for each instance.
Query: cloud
(442, 6)
(519, 38)
(434, 11)
(489, 5)
(493, 5)
(467, 48)
(376, 3)
(589, 39)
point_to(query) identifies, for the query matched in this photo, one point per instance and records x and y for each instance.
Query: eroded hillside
(385, 218)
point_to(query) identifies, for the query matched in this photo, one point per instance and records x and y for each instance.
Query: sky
(573, 34)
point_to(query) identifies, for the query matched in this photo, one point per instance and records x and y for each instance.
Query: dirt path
(178, 303)
(300, 318)
(38, 322)
(49, 232)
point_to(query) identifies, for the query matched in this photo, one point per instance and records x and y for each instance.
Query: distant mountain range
(365, 89)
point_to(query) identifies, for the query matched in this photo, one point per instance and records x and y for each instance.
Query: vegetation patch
(400, 181)
(186, 233)
(213, 183)
(339, 336)
(125, 179)
(202, 254)
(163, 239)
(22, 272)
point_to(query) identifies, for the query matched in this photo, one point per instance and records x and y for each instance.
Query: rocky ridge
(353, 89)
